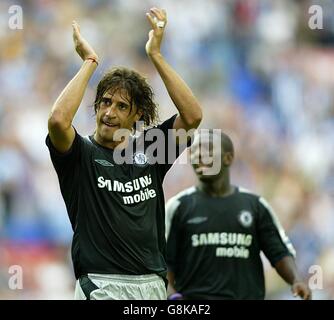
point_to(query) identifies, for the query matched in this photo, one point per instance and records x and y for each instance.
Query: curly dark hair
(140, 92)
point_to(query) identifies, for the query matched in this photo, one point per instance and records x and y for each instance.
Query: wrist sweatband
(93, 60)
(175, 296)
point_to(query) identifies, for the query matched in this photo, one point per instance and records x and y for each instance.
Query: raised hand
(82, 47)
(158, 20)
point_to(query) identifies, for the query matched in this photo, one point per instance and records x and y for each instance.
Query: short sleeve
(68, 170)
(172, 232)
(65, 162)
(273, 241)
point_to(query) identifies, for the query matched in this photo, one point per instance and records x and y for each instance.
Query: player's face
(114, 113)
(206, 157)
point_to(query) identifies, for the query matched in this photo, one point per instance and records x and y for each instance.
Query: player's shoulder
(89, 144)
(246, 193)
(181, 197)
(87, 140)
(164, 124)
(84, 143)
(89, 147)
(184, 194)
(259, 199)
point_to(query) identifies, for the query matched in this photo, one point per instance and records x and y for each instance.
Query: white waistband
(125, 277)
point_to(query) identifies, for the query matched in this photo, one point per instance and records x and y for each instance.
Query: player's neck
(219, 188)
(111, 144)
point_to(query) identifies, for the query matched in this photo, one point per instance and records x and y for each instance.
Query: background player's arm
(172, 246)
(171, 280)
(287, 269)
(190, 112)
(63, 111)
(278, 249)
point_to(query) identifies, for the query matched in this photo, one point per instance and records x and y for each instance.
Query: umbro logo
(197, 220)
(104, 163)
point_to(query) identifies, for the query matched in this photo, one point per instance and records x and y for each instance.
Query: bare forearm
(68, 102)
(287, 269)
(181, 95)
(171, 281)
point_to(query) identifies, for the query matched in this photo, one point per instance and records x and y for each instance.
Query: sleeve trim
(286, 241)
(55, 151)
(172, 206)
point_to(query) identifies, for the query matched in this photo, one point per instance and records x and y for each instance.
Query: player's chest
(210, 217)
(107, 171)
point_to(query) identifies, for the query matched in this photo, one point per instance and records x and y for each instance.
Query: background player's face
(115, 112)
(207, 157)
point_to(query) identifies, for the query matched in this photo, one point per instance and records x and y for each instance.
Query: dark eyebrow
(121, 103)
(106, 100)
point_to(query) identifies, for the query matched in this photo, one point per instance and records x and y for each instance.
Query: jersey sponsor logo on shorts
(197, 220)
(245, 218)
(104, 163)
(140, 159)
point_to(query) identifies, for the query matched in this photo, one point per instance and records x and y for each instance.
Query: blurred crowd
(261, 73)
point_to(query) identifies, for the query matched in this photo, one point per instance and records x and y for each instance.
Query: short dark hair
(136, 86)
(226, 142)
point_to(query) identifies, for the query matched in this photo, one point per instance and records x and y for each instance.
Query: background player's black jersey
(214, 244)
(117, 211)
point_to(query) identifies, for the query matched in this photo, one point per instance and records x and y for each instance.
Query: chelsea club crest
(245, 218)
(140, 159)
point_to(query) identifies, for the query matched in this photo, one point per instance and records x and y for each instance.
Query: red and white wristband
(94, 60)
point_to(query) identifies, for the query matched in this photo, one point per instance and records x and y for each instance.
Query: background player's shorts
(120, 287)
